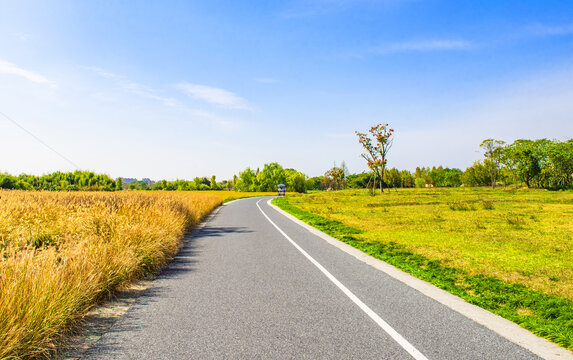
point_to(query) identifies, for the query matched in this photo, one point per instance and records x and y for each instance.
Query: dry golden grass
(60, 253)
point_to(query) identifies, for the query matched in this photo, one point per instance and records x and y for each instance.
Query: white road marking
(415, 353)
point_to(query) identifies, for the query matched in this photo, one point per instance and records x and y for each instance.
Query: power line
(40, 140)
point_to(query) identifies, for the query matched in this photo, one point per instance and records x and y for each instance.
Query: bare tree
(377, 149)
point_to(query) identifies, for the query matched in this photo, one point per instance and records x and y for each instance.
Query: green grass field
(509, 251)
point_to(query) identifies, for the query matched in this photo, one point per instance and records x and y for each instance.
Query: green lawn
(509, 251)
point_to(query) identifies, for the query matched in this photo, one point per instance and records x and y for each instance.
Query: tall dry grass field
(62, 252)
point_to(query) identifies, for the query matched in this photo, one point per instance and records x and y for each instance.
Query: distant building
(145, 180)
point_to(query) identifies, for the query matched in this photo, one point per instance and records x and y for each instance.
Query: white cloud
(12, 69)
(223, 123)
(424, 46)
(215, 96)
(131, 86)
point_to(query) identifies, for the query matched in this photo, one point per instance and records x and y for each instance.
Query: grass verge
(546, 315)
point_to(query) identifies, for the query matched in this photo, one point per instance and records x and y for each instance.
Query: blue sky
(178, 89)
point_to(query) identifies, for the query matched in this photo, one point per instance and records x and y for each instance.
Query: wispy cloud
(222, 122)
(551, 30)
(424, 46)
(12, 69)
(131, 86)
(215, 96)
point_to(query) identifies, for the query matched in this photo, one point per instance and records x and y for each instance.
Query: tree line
(533, 163)
(536, 163)
(66, 181)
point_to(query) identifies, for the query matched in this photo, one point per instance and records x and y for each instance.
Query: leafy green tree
(527, 162)
(447, 177)
(245, 181)
(197, 182)
(561, 157)
(406, 179)
(213, 183)
(7, 181)
(392, 178)
(358, 181)
(295, 180)
(313, 183)
(271, 175)
(419, 182)
(477, 175)
(119, 184)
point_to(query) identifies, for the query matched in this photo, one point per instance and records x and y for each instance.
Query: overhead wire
(40, 140)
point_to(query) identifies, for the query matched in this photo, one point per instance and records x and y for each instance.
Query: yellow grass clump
(60, 253)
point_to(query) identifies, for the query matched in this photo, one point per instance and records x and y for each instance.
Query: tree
(313, 183)
(358, 181)
(271, 175)
(376, 154)
(493, 151)
(7, 181)
(527, 163)
(213, 183)
(476, 175)
(561, 157)
(245, 181)
(406, 179)
(393, 178)
(334, 179)
(447, 177)
(119, 184)
(295, 180)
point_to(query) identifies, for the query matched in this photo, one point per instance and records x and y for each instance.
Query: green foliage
(119, 184)
(541, 163)
(271, 175)
(313, 183)
(246, 181)
(213, 183)
(560, 156)
(420, 183)
(89, 181)
(393, 178)
(71, 181)
(493, 150)
(358, 181)
(476, 175)
(295, 180)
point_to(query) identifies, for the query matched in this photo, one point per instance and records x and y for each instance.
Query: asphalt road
(240, 289)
